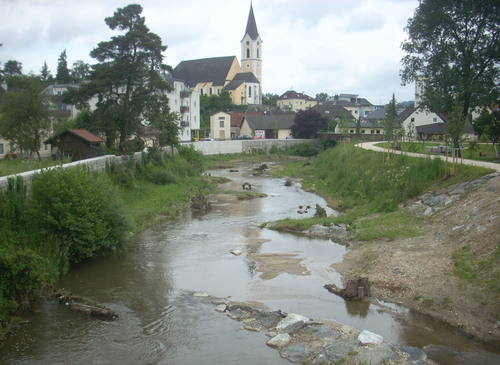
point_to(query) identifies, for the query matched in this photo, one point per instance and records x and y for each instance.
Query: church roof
(251, 25)
(246, 76)
(213, 70)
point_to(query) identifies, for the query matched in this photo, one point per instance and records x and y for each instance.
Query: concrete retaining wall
(98, 164)
(240, 146)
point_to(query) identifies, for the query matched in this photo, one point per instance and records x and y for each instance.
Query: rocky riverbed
(316, 341)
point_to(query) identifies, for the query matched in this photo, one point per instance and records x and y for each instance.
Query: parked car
(245, 136)
(207, 140)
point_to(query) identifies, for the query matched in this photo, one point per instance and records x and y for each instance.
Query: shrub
(80, 209)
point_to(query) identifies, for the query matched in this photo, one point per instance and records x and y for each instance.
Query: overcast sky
(310, 46)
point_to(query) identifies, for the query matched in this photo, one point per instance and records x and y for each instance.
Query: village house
(423, 124)
(294, 101)
(268, 126)
(220, 126)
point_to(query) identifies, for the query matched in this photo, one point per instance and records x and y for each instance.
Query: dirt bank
(418, 272)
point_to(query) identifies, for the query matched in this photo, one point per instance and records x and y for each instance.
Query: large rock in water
(352, 289)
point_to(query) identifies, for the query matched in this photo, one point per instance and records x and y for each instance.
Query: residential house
(210, 76)
(220, 126)
(426, 125)
(294, 101)
(350, 106)
(186, 103)
(236, 120)
(268, 126)
(77, 144)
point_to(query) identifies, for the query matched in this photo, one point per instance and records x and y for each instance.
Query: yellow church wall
(237, 94)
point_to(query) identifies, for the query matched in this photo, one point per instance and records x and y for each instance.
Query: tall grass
(359, 177)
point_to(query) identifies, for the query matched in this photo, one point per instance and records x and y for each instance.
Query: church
(243, 82)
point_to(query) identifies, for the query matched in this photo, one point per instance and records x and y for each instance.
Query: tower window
(248, 52)
(257, 53)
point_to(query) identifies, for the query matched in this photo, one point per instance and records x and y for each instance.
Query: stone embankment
(312, 341)
(431, 202)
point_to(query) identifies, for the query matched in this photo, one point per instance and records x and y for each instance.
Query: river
(151, 287)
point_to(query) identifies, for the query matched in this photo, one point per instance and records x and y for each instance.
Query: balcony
(184, 109)
(184, 124)
(185, 94)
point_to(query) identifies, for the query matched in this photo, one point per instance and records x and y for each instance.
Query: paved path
(371, 146)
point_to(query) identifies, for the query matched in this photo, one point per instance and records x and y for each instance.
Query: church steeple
(251, 48)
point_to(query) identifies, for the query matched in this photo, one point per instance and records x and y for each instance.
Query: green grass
(472, 151)
(388, 226)
(16, 166)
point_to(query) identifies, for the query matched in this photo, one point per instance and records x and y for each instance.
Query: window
(363, 131)
(248, 52)
(210, 91)
(221, 124)
(412, 120)
(249, 91)
(351, 131)
(1, 149)
(434, 120)
(218, 91)
(378, 131)
(257, 53)
(248, 65)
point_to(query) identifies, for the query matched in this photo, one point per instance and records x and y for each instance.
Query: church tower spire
(251, 48)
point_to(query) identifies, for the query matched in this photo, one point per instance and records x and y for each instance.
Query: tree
(62, 75)
(45, 74)
(12, 68)
(322, 97)
(25, 115)
(307, 123)
(344, 125)
(453, 47)
(390, 119)
(80, 71)
(270, 99)
(127, 80)
(488, 125)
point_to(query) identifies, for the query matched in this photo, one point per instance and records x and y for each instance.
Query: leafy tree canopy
(270, 99)
(453, 46)
(12, 68)
(80, 71)
(322, 97)
(25, 115)
(307, 123)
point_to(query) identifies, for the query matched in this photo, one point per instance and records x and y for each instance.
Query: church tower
(251, 48)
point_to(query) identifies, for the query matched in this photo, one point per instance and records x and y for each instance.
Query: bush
(80, 209)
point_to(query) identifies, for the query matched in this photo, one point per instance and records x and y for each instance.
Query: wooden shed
(78, 144)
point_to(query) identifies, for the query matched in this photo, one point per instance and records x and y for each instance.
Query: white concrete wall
(240, 146)
(98, 164)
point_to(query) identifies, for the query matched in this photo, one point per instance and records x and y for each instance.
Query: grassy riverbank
(72, 215)
(368, 188)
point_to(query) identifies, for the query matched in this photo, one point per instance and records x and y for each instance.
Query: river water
(160, 322)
